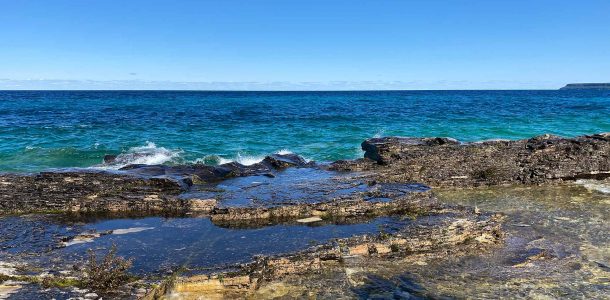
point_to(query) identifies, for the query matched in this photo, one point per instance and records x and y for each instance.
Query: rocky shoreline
(393, 179)
(448, 162)
(435, 162)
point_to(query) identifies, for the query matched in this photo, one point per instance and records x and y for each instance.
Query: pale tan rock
(382, 249)
(309, 220)
(202, 205)
(362, 249)
(8, 288)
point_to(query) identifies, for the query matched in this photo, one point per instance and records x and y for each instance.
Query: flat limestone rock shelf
(555, 245)
(448, 162)
(139, 188)
(239, 219)
(56, 246)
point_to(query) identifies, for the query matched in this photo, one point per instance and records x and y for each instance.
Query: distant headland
(586, 86)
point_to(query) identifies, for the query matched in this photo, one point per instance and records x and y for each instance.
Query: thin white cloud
(55, 84)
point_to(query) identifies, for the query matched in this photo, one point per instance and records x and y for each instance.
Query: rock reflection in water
(168, 243)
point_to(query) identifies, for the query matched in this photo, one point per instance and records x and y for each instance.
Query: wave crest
(151, 154)
(241, 158)
(148, 154)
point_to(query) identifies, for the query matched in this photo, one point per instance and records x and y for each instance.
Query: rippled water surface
(44, 129)
(557, 246)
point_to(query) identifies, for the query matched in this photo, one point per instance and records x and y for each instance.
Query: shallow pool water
(557, 246)
(159, 244)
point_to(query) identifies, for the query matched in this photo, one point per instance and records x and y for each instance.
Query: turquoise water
(56, 129)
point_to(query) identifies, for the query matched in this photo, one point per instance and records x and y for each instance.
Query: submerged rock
(310, 219)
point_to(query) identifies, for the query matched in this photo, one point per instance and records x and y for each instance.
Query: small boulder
(109, 159)
(281, 161)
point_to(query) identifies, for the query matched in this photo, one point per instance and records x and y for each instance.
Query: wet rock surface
(555, 245)
(137, 188)
(447, 162)
(86, 191)
(450, 235)
(286, 227)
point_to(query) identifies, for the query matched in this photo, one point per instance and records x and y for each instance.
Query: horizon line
(228, 90)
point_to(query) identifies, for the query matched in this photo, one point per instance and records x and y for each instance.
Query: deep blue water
(55, 129)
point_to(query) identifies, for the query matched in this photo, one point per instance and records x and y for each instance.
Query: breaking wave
(148, 154)
(244, 159)
(151, 154)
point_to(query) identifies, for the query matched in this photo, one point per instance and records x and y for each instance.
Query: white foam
(379, 133)
(148, 154)
(222, 160)
(595, 185)
(212, 159)
(284, 152)
(244, 159)
(131, 230)
(7, 268)
(76, 242)
(248, 160)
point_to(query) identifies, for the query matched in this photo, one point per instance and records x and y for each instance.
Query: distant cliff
(586, 86)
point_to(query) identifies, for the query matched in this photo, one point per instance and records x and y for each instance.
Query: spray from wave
(148, 154)
(379, 133)
(151, 154)
(244, 159)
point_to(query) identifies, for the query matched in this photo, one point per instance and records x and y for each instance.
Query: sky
(303, 45)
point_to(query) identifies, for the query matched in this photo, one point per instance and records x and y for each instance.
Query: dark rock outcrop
(134, 188)
(87, 191)
(280, 161)
(446, 162)
(110, 159)
(201, 173)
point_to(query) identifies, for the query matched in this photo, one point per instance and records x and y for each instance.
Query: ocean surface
(41, 130)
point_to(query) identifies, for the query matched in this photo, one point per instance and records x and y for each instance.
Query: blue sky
(302, 45)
